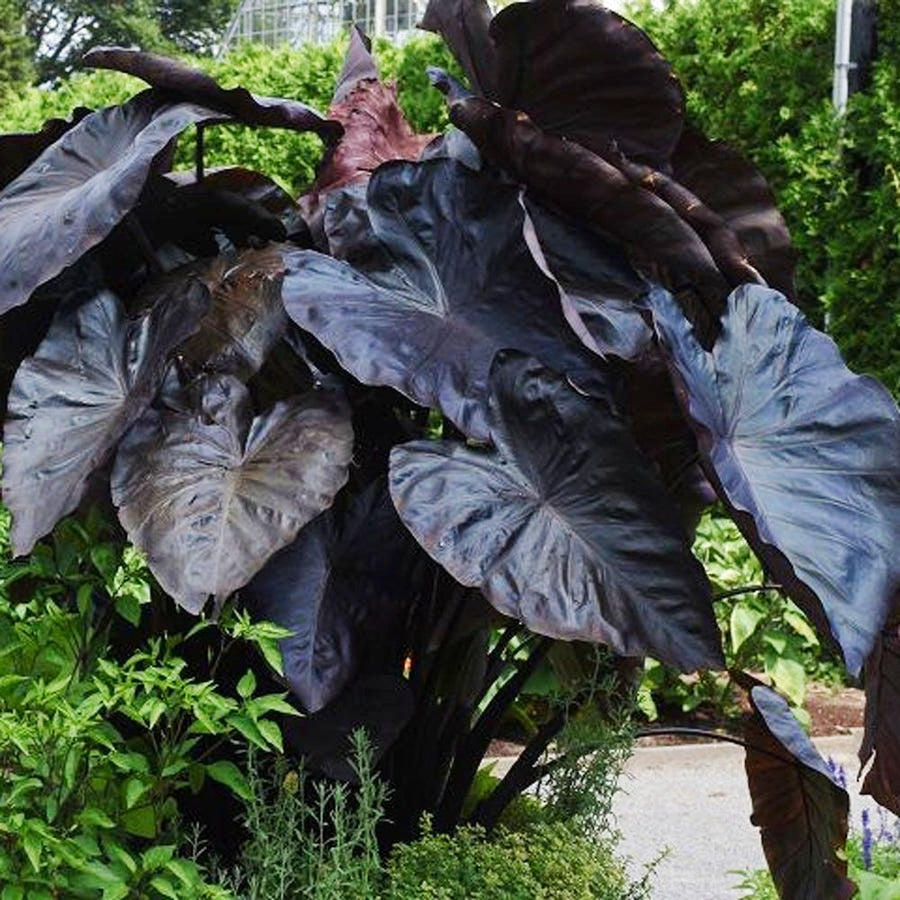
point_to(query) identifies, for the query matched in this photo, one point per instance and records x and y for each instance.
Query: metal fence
(273, 22)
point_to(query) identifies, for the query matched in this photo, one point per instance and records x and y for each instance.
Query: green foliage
(15, 50)
(879, 882)
(94, 751)
(310, 839)
(762, 630)
(63, 30)
(836, 183)
(547, 861)
(306, 73)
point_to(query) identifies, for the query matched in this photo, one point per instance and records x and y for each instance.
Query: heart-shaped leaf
(443, 279)
(803, 451)
(342, 581)
(245, 318)
(582, 72)
(882, 734)
(210, 495)
(564, 527)
(191, 85)
(77, 190)
(91, 378)
(798, 806)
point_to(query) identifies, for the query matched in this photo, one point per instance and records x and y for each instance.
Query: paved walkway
(693, 800)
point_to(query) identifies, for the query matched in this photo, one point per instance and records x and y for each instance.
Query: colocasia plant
(473, 381)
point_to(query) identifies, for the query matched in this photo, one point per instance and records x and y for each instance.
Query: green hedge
(758, 74)
(307, 74)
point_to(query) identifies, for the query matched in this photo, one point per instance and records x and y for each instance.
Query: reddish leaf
(798, 806)
(882, 734)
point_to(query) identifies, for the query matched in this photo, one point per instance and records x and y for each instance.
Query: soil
(831, 711)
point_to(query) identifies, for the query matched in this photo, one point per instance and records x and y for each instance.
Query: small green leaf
(196, 776)
(271, 732)
(116, 892)
(744, 620)
(272, 653)
(247, 685)
(105, 560)
(134, 790)
(96, 817)
(156, 857)
(129, 608)
(32, 845)
(140, 821)
(230, 775)
(164, 887)
(789, 677)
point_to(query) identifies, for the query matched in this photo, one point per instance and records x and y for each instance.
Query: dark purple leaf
(803, 451)
(190, 85)
(566, 176)
(441, 282)
(77, 191)
(582, 72)
(564, 527)
(738, 192)
(210, 495)
(379, 704)
(342, 587)
(245, 318)
(464, 26)
(596, 276)
(882, 734)
(19, 150)
(798, 806)
(92, 376)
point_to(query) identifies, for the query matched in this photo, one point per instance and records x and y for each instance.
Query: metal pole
(843, 31)
(380, 17)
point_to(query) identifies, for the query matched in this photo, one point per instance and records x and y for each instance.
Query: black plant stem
(198, 154)
(523, 773)
(133, 223)
(687, 731)
(495, 661)
(475, 744)
(747, 589)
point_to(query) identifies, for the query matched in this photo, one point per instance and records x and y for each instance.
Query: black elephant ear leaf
(582, 72)
(440, 281)
(81, 187)
(185, 83)
(91, 378)
(381, 705)
(245, 318)
(210, 494)
(565, 527)
(803, 451)
(343, 576)
(735, 189)
(594, 272)
(465, 27)
(882, 731)
(798, 806)
(19, 150)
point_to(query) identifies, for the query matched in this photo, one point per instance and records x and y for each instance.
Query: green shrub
(547, 861)
(836, 185)
(307, 73)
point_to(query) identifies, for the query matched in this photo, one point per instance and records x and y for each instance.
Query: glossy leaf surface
(882, 733)
(804, 451)
(797, 805)
(442, 280)
(732, 186)
(245, 318)
(569, 177)
(341, 583)
(210, 495)
(582, 72)
(92, 376)
(78, 190)
(564, 527)
(191, 85)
